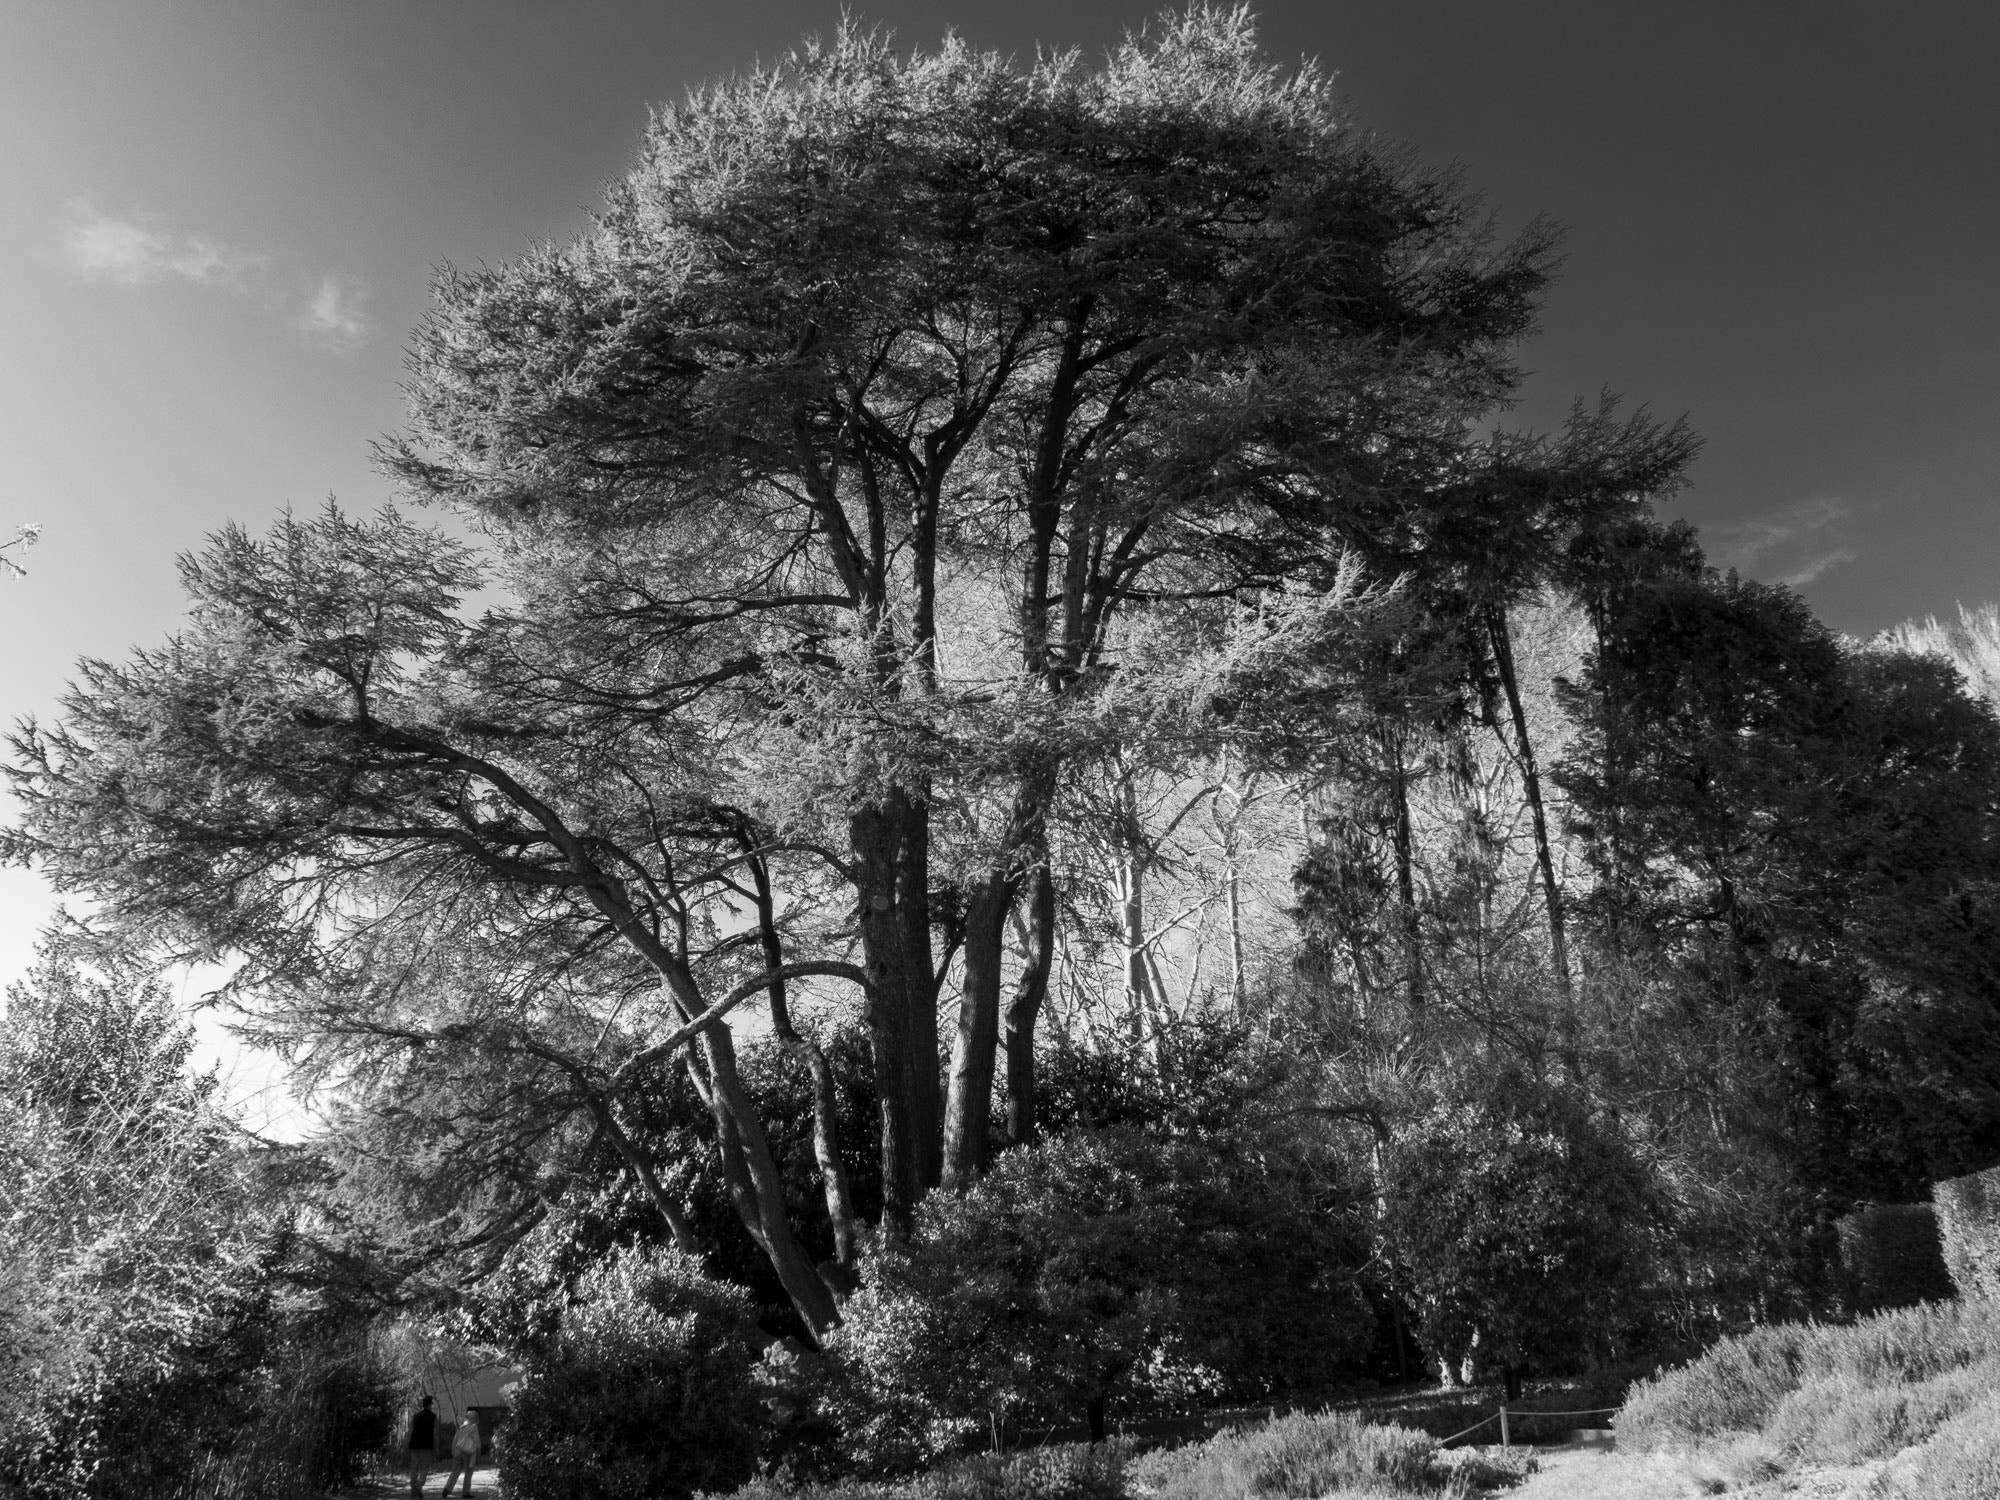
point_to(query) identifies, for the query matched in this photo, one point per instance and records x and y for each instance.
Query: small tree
(139, 1333)
(1514, 1223)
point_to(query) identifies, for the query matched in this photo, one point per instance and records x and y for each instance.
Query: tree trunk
(826, 1148)
(1239, 995)
(1094, 1413)
(1531, 781)
(968, 1109)
(1029, 991)
(874, 832)
(913, 913)
(1403, 838)
(754, 1184)
(641, 1167)
(1130, 890)
(826, 1113)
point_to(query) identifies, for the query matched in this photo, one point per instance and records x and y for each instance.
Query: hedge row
(1892, 1257)
(1968, 1218)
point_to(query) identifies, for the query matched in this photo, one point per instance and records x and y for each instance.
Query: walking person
(423, 1445)
(464, 1452)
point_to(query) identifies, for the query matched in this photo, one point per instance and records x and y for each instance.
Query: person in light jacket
(464, 1452)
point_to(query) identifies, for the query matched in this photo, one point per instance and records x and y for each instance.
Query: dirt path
(396, 1486)
(1582, 1474)
(1592, 1474)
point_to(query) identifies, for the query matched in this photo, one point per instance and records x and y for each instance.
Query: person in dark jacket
(423, 1445)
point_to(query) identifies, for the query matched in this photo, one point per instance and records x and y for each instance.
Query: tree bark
(874, 831)
(968, 1111)
(1531, 781)
(641, 1167)
(913, 915)
(751, 1175)
(1025, 1006)
(826, 1114)
(1403, 839)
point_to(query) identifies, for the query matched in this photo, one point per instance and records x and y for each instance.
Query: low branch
(827, 968)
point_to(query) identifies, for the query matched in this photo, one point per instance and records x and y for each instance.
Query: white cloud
(99, 247)
(328, 313)
(334, 319)
(1795, 546)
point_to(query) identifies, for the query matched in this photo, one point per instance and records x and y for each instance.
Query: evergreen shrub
(644, 1388)
(1968, 1220)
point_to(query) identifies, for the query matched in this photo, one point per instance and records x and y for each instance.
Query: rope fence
(1504, 1413)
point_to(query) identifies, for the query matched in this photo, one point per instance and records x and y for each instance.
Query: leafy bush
(1091, 1264)
(1968, 1218)
(1892, 1256)
(1317, 1453)
(1828, 1394)
(1512, 1219)
(642, 1386)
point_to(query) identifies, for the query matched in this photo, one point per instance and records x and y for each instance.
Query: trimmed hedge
(1968, 1218)
(1893, 1257)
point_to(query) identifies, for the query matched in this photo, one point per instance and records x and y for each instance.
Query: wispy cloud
(327, 313)
(1795, 546)
(102, 248)
(336, 317)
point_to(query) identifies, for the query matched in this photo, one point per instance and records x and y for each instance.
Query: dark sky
(220, 216)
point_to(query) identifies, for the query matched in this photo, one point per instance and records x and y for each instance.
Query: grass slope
(1913, 1394)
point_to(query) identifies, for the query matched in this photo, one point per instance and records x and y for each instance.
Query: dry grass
(1332, 1455)
(1914, 1394)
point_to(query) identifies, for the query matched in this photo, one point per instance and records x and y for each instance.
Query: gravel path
(1591, 1474)
(1580, 1474)
(389, 1486)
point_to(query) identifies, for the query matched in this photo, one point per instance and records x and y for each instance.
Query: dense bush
(639, 1384)
(1892, 1256)
(1093, 1264)
(1968, 1218)
(1826, 1394)
(1514, 1219)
